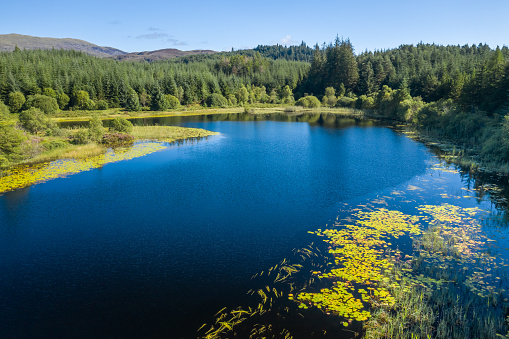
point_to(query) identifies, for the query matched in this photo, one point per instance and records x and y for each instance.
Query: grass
(169, 133)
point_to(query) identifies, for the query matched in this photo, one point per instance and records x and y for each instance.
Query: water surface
(154, 246)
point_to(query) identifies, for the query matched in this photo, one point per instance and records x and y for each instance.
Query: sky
(135, 26)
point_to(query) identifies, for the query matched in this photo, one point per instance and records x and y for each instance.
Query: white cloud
(287, 40)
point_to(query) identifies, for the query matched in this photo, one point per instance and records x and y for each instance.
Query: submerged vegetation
(82, 149)
(450, 283)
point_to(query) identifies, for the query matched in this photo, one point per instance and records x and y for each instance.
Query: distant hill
(162, 54)
(9, 41)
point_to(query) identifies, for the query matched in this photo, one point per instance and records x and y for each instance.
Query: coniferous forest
(454, 92)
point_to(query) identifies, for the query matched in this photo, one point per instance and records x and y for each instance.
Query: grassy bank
(77, 158)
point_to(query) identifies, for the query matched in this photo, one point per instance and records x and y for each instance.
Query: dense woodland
(455, 92)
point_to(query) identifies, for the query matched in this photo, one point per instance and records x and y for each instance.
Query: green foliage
(101, 105)
(132, 101)
(216, 100)
(121, 125)
(81, 137)
(159, 101)
(173, 101)
(287, 95)
(54, 144)
(4, 111)
(117, 139)
(329, 99)
(45, 103)
(15, 101)
(36, 122)
(63, 100)
(11, 141)
(81, 100)
(308, 102)
(49, 92)
(96, 129)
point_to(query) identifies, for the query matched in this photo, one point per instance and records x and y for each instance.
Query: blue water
(154, 246)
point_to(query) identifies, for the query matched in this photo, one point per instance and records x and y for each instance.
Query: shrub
(173, 101)
(16, 100)
(308, 102)
(49, 92)
(54, 144)
(11, 141)
(117, 138)
(101, 105)
(63, 100)
(96, 129)
(121, 125)
(34, 121)
(81, 137)
(4, 111)
(46, 104)
(346, 102)
(216, 100)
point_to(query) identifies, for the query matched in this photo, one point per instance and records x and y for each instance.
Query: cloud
(153, 36)
(151, 28)
(287, 40)
(177, 42)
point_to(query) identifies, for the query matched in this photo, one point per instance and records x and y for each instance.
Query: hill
(162, 54)
(9, 41)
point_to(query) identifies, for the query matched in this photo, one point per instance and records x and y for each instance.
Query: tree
(121, 125)
(173, 102)
(329, 99)
(11, 141)
(63, 100)
(216, 100)
(287, 95)
(49, 92)
(132, 102)
(16, 100)
(144, 98)
(34, 121)
(242, 95)
(4, 111)
(81, 99)
(159, 101)
(96, 129)
(46, 104)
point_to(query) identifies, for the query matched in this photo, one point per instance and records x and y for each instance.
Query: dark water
(154, 246)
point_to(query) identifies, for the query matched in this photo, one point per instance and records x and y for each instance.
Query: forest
(459, 93)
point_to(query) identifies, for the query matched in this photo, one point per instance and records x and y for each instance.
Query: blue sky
(220, 25)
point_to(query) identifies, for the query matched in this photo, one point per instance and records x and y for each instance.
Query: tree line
(79, 81)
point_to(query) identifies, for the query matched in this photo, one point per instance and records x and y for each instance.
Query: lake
(156, 245)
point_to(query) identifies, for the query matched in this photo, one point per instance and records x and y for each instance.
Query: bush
(63, 100)
(216, 100)
(121, 125)
(96, 129)
(54, 144)
(308, 102)
(173, 101)
(101, 105)
(4, 111)
(11, 141)
(81, 137)
(16, 100)
(34, 121)
(346, 102)
(46, 104)
(117, 138)
(49, 92)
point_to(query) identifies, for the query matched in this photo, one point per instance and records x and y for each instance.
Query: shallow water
(155, 246)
